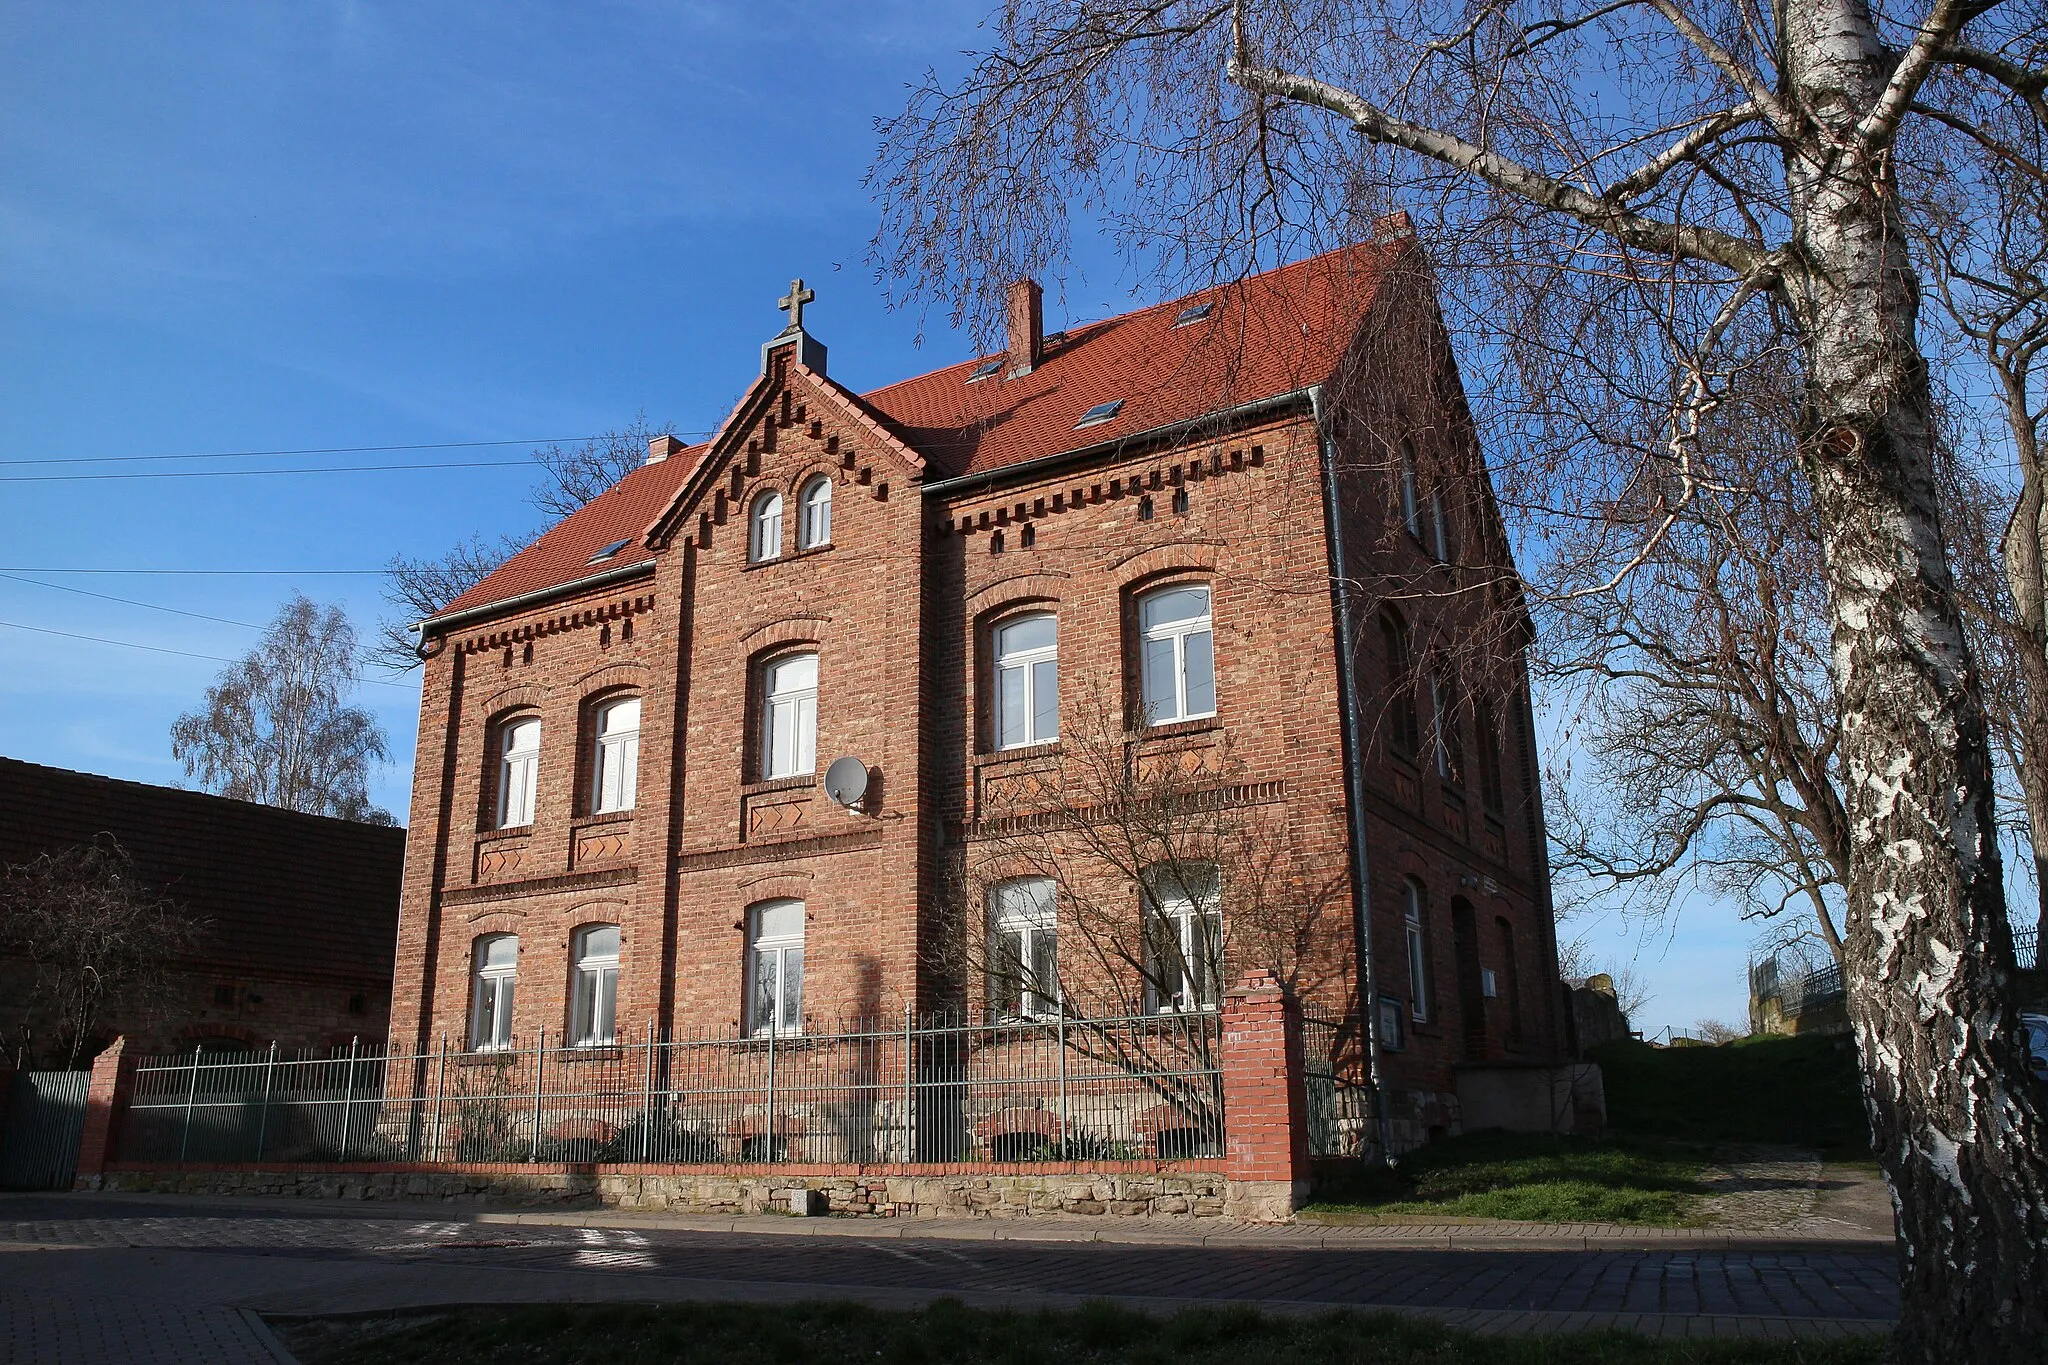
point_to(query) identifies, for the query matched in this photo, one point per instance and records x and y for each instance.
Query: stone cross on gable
(793, 303)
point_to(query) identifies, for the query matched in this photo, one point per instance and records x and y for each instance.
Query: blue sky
(254, 226)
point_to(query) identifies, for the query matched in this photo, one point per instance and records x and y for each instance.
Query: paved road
(83, 1274)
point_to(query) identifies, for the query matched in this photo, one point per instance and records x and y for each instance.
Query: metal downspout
(1354, 779)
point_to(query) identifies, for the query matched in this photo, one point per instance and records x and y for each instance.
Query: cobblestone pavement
(81, 1278)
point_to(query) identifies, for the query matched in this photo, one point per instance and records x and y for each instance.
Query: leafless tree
(1635, 207)
(275, 729)
(573, 475)
(1159, 872)
(92, 934)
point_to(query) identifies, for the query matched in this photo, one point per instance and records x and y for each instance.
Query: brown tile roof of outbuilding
(299, 894)
(1268, 335)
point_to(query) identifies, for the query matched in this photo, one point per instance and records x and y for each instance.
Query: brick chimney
(1027, 327)
(1393, 227)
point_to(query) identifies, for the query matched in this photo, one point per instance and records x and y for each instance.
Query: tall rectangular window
(1411, 494)
(615, 770)
(1511, 972)
(1183, 938)
(775, 967)
(518, 772)
(1027, 682)
(789, 717)
(1450, 735)
(1404, 727)
(494, 974)
(1418, 949)
(1491, 789)
(1024, 948)
(1177, 659)
(594, 994)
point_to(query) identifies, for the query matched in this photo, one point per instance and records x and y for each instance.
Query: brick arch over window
(770, 886)
(1193, 557)
(624, 673)
(519, 695)
(764, 639)
(1016, 589)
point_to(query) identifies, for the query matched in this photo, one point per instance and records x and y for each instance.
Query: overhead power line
(159, 649)
(130, 601)
(210, 573)
(312, 450)
(251, 473)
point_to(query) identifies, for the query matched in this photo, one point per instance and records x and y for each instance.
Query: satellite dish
(846, 781)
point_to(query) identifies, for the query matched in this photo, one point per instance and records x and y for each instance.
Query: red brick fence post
(106, 1100)
(1265, 1104)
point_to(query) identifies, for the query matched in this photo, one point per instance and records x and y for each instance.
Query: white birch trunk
(1927, 947)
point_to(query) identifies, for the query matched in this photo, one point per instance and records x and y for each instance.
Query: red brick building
(620, 789)
(300, 913)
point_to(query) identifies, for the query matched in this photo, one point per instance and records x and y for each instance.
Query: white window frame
(518, 771)
(1179, 633)
(593, 989)
(794, 707)
(1024, 984)
(1440, 527)
(492, 991)
(1196, 928)
(1418, 949)
(782, 954)
(1025, 664)
(764, 527)
(615, 757)
(814, 514)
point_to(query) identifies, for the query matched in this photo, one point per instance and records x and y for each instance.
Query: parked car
(2037, 1043)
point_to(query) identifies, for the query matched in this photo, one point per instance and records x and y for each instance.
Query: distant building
(1240, 516)
(302, 912)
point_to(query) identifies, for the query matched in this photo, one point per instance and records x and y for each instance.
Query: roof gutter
(617, 574)
(1354, 778)
(1223, 417)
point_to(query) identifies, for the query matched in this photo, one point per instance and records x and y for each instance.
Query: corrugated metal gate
(45, 1115)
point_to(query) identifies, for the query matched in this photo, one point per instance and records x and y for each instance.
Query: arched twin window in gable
(764, 528)
(814, 514)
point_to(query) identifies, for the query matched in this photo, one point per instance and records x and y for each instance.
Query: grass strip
(947, 1331)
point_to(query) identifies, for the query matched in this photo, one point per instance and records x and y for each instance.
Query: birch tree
(1712, 184)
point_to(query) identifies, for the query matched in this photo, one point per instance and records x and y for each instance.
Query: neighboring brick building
(624, 730)
(302, 912)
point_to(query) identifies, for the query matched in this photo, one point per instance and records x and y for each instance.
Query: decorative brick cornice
(1167, 474)
(598, 614)
(773, 849)
(541, 886)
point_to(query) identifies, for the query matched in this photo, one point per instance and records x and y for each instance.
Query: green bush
(1802, 1091)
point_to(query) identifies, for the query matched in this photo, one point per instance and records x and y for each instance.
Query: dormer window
(985, 369)
(1100, 413)
(1195, 313)
(607, 552)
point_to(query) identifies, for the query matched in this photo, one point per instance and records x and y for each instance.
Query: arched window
(775, 967)
(1411, 493)
(1404, 726)
(615, 760)
(494, 973)
(764, 528)
(1491, 790)
(594, 987)
(1177, 658)
(1445, 700)
(518, 771)
(1443, 545)
(1183, 937)
(789, 716)
(814, 525)
(1024, 949)
(1414, 903)
(1027, 681)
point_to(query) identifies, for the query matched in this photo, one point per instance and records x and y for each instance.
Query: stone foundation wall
(1151, 1194)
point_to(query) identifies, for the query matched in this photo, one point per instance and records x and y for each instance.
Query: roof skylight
(986, 368)
(607, 552)
(1194, 313)
(1100, 413)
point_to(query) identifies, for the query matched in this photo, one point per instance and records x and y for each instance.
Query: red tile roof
(1269, 335)
(304, 895)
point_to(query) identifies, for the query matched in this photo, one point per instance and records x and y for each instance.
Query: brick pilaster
(1265, 1105)
(106, 1101)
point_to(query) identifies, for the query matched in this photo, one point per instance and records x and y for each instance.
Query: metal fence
(1339, 1100)
(930, 1090)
